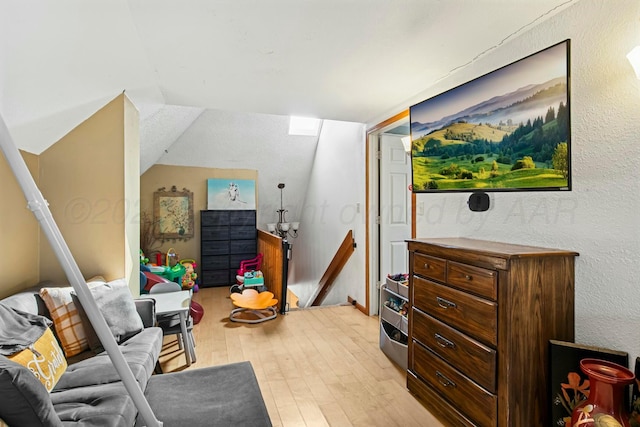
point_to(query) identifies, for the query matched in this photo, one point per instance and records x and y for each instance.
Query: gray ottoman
(226, 395)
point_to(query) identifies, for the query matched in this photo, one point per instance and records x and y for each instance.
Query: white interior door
(395, 205)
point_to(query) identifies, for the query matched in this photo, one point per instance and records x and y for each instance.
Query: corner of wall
(82, 176)
(132, 195)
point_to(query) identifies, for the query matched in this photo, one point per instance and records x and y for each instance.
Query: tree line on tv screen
(487, 153)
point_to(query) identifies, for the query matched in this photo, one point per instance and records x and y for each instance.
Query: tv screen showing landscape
(508, 130)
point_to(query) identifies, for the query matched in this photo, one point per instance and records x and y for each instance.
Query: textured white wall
(600, 217)
(335, 193)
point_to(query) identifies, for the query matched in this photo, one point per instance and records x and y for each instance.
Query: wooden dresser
(481, 317)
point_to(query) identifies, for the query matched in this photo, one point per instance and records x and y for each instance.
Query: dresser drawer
(430, 267)
(468, 397)
(220, 247)
(242, 218)
(214, 217)
(215, 232)
(468, 313)
(243, 246)
(476, 280)
(243, 232)
(215, 262)
(215, 278)
(471, 357)
(436, 404)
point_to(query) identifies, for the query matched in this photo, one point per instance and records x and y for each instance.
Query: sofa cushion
(141, 353)
(117, 307)
(44, 359)
(66, 319)
(25, 401)
(29, 300)
(92, 338)
(98, 405)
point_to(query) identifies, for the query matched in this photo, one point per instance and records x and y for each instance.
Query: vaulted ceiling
(350, 60)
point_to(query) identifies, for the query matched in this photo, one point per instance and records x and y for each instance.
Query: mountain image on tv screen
(507, 130)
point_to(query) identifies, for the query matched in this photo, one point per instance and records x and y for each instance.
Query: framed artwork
(634, 420)
(231, 194)
(173, 213)
(569, 385)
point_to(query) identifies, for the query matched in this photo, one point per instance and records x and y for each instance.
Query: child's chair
(246, 265)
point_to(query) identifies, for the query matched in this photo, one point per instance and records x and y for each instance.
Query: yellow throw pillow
(66, 320)
(44, 359)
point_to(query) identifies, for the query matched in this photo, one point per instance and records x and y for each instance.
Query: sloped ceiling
(333, 59)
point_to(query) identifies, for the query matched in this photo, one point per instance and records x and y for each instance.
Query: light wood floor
(315, 367)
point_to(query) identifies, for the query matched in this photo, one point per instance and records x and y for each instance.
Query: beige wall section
(194, 179)
(132, 195)
(82, 177)
(19, 231)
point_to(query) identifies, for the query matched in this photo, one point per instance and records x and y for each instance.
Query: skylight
(305, 126)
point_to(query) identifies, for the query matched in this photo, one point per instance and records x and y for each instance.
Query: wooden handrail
(335, 267)
(270, 246)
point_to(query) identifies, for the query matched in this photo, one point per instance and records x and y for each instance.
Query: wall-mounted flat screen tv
(508, 130)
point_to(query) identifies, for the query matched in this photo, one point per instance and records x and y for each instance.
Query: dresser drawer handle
(444, 380)
(443, 342)
(445, 303)
(468, 277)
(426, 266)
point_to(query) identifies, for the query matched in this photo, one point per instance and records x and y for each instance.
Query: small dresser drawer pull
(426, 266)
(468, 277)
(443, 342)
(445, 303)
(444, 380)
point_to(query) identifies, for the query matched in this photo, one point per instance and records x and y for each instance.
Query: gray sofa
(90, 392)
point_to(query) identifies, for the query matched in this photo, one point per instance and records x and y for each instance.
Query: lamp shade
(634, 59)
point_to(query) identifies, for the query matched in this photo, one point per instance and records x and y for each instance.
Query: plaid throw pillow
(66, 320)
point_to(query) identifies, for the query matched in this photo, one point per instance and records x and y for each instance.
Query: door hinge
(378, 154)
(378, 220)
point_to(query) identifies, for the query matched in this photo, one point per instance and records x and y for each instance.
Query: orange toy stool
(261, 305)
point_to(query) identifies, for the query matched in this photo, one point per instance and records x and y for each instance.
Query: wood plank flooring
(316, 367)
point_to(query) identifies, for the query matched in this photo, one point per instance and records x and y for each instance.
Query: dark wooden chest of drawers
(482, 314)
(227, 237)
